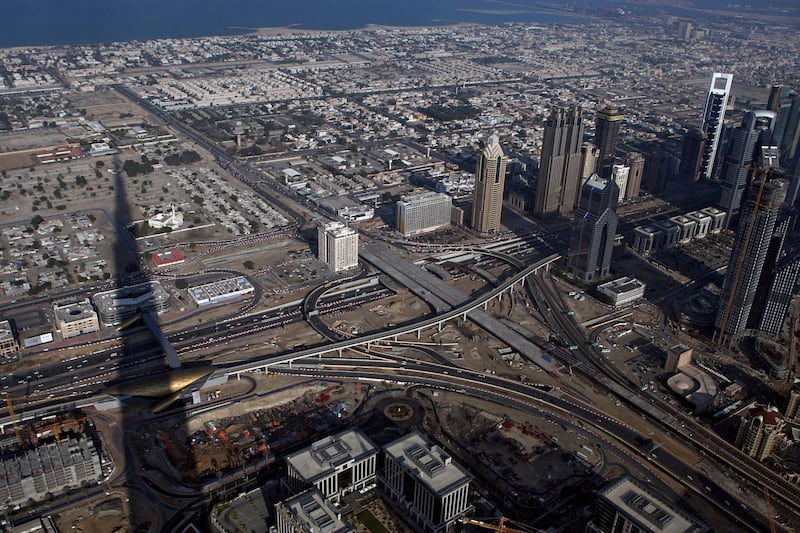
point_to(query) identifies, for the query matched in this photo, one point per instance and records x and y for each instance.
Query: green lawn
(369, 520)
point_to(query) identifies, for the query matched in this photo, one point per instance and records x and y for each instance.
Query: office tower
(789, 121)
(759, 431)
(793, 406)
(756, 247)
(593, 230)
(337, 245)
(782, 283)
(756, 128)
(560, 166)
(684, 31)
(490, 178)
(694, 143)
(660, 168)
(776, 94)
(421, 213)
(607, 125)
(335, 465)
(713, 118)
(678, 356)
(589, 156)
(426, 483)
(629, 506)
(309, 511)
(635, 162)
(619, 174)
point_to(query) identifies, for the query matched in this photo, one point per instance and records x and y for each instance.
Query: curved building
(118, 305)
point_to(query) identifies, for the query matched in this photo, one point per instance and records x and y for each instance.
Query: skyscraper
(593, 230)
(560, 166)
(589, 155)
(756, 248)
(635, 161)
(607, 125)
(755, 129)
(713, 118)
(490, 178)
(694, 143)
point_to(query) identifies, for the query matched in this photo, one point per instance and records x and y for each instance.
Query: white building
(703, 222)
(421, 213)
(439, 491)
(172, 220)
(309, 511)
(77, 318)
(620, 173)
(220, 291)
(337, 246)
(623, 290)
(336, 465)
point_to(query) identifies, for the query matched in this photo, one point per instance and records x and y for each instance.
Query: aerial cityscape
(510, 266)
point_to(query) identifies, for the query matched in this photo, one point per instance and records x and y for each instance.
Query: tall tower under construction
(757, 250)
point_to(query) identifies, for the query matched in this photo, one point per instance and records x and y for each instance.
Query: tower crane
(768, 505)
(501, 525)
(13, 419)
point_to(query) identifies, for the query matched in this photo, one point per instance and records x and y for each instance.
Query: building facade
(307, 512)
(8, 344)
(76, 318)
(620, 175)
(635, 162)
(118, 305)
(608, 123)
(335, 466)
(627, 506)
(559, 179)
(593, 230)
(759, 431)
(694, 143)
(490, 179)
(755, 129)
(713, 118)
(678, 356)
(421, 213)
(337, 246)
(756, 248)
(424, 483)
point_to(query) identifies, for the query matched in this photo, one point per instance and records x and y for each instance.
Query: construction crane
(768, 506)
(13, 419)
(501, 525)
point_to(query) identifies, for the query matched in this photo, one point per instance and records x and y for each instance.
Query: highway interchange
(78, 380)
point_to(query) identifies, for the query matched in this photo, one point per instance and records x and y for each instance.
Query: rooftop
(323, 457)
(430, 464)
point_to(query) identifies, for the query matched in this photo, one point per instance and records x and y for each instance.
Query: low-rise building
(118, 305)
(717, 218)
(8, 343)
(703, 222)
(627, 505)
(678, 356)
(670, 232)
(687, 228)
(646, 239)
(424, 483)
(309, 511)
(221, 291)
(76, 318)
(50, 469)
(623, 290)
(336, 465)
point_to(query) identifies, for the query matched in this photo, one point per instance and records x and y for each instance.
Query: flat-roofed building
(623, 290)
(429, 487)
(421, 213)
(703, 222)
(307, 512)
(717, 218)
(336, 465)
(221, 291)
(118, 305)
(646, 239)
(337, 246)
(687, 228)
(669, 230)
(48, 470)
(626, 505)
(76, 318)
(8, 344)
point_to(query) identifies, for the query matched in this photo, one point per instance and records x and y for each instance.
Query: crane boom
(501, 526)
(768, 505)
(13, 419)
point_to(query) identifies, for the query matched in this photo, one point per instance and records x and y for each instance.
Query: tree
(36, 221)
(249, 265)
(181, 284)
